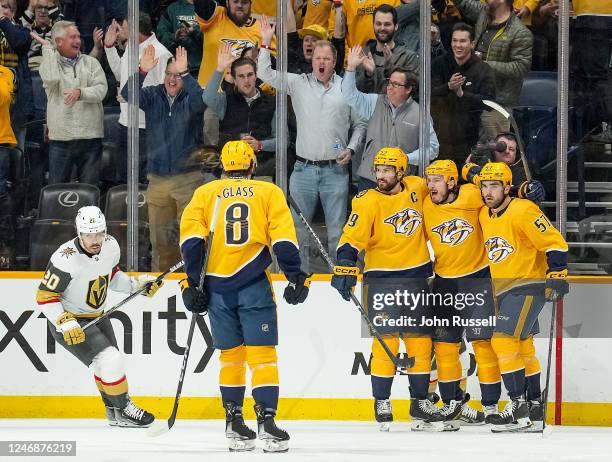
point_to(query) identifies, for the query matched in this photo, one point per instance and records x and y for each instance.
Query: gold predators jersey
(389, 228)
(455, 234)
(7, 89)
(359, 19)
(220, 30)
(253, 217)
(317, 12)
(519, 241)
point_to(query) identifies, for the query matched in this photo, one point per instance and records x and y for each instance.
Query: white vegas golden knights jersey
(81, 282)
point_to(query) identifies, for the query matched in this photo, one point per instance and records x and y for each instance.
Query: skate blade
(422, 426)
(239, 445)
(271, 445)
(516, 427)
(472, 424)
(452, 426)
(384, 426)
(129, 425)
(158, 429)
(536, 427)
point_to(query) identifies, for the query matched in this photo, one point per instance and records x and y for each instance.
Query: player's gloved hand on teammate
(556, 285)
(532, 190)
(469, 171)
(297, 290)
(345, 278)
(195, 301)
(70, 328)
(148, 282)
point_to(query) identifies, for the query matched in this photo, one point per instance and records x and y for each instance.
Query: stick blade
(158, 429)
(495, 106)
(405, 362)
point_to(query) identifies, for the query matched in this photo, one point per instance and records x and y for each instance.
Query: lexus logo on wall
(141, 199)
(68, 198)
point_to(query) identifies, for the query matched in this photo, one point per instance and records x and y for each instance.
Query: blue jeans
(85, 154)
(308, 184)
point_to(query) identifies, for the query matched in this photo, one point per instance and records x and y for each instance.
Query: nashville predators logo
(238, 45)
(405, 222)
(97, 291)
(498, 249)
(453, 232)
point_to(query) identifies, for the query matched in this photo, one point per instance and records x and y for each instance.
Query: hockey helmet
(90, 219)
(446, 168)
(394, 157)
(237, 155)
(496, 171)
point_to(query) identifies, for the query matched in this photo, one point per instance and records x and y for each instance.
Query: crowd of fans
(207, 76)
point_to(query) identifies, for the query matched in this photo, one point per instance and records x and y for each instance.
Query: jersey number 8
(237, 224)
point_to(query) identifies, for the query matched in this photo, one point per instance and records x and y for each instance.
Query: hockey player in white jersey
(73, 292)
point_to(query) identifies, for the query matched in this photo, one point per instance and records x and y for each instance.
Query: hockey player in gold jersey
(73, 292)
(387, 223)
(461, 267)
(528, 261)
(253, 221)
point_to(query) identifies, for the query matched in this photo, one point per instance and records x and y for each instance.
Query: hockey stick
(546, 431)
(165, 427)
(159, 278)
(403, 363)
(519, 140)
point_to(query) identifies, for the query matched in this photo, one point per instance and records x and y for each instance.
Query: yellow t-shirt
(455, 234)
(253, 218)
(7, 87)
(516, 242)
(220, 29)
(318, 12)
(592, 7)
(359, 19)
(389, 228)
(266, 8)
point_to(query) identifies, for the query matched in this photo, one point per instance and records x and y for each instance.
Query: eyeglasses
(389, 83)
(172, 74)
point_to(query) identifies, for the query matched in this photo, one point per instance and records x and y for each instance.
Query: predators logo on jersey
(453, 232)
(97, 292)
(498, 249)
(405, 222)
(238, 45)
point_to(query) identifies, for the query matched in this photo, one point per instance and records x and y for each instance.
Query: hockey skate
(240, 437)
(469, 415)
(536, 415)
(425, 416)
(514, 417)
(275, 439)
(451, 412)
(110, 416)
(384, 413)
(132, 416)
(489, 410)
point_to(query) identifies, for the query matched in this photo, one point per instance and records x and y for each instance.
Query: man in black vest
(251, 113)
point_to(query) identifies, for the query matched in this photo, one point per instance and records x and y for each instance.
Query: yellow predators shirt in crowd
(389, 227)
(219, 30)
(592, 7)
(318, 12)
(253, 216)
(455, 233)
(7, 88)
(359, 19)
(266, 8)
(516, 242)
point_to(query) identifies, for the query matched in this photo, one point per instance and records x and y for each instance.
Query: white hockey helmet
(90, 219)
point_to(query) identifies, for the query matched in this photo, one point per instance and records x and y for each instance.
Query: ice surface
(204, 440)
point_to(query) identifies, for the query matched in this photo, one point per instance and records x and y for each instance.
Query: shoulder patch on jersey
(361, 193)
(109, 238)
(405, 221)
(453, 232)
(68, 252)
(498, 249)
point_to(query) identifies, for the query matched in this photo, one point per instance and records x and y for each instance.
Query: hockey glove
(556, 285)
(470, 171)
(146, 281)
(296, 292)
(70, 328)
(194, 300)
(345, 278)
(532, 190)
